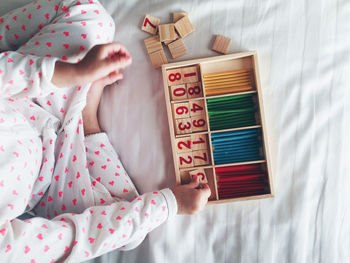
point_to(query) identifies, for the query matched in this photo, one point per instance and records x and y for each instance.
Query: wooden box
(216, 120)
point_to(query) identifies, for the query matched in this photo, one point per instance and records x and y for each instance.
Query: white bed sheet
(303, 49)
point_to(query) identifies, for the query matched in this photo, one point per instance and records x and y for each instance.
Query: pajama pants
(83, 201)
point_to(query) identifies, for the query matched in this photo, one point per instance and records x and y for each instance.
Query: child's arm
(99, 229)
(32, 76)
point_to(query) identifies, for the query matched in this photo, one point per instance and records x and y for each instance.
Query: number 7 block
(150, 24)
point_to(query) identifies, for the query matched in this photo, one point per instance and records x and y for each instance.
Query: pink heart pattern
(72, 167)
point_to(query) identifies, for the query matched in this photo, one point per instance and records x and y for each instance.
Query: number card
(199, 123)
(181, 110)
(183, 126)
(150, 24)
(199, 141)
(194, 90)
(200, 157)
(178, 92)
(201, 174)
(190, 74)
(196, 108)
(185, 159)
(183, 144)
(174, 77)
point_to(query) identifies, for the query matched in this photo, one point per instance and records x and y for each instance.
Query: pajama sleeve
(79, 237)
(25, 75)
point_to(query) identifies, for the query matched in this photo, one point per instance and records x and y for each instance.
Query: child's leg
(64, 29)
(19, 25)
(105, 167)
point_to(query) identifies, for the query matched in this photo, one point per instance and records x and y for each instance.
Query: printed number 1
(149, 22)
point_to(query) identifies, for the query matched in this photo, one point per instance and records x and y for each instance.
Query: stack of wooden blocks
(170, 35)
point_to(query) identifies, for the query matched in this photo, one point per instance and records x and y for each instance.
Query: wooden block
(199, 123)
(174, 76)
(167, 32)
(158, 58)
(197, 108)
(178, 15)
(199, 141)
(183, 126)
(221, 44)
(184, 26)
(177, 48)
(183, 144)
(185, 177)
(170, 41)
(200, 157)
(190, 74)
(194, 90)
(153, 44)
(181, 110)
(185, 160)
(178, 92)
(201, 174)
(150, 24)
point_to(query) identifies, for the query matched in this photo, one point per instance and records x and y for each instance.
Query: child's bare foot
(90, 120)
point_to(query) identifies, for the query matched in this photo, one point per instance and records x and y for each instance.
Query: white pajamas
(83, 200)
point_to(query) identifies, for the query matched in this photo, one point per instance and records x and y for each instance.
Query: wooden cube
(199, 123)
(170, 41)
(178, 92)
(174, 76)
(181, 110)
(199, 141)
(177, 48)
(200, 157)
(158, 58)
(167, 32)
(185, 160)
(184, 26)
(197, 108)
(183, 144)
(153, 44)
(178, 15)
(150, 24)
(201, 174)
(221, 44)
(194, 90)
(183, 126)
(190, 74)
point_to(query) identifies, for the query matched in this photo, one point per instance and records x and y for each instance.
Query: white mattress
(303, 49)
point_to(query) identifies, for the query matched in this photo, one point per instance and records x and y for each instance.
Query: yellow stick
(227, 72)
(229, 85)
(213, 83)
(248, 75)
(227, 90)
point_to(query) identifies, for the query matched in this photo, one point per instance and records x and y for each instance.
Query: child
(55, 162)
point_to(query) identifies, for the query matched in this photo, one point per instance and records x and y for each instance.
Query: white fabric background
(303, 49)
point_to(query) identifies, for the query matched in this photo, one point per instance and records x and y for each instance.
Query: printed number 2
(149, 22)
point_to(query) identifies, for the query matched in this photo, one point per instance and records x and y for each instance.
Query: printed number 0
(173, 77)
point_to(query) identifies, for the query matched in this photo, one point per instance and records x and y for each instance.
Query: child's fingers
(115, 48)
(194, 182)
(205, 189)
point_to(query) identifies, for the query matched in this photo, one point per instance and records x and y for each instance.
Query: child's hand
(102, 63)
(191, 197)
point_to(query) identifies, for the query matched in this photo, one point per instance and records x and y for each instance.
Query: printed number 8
(173, 77)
